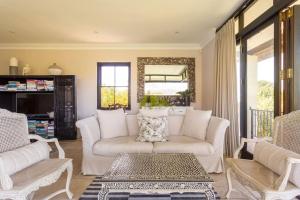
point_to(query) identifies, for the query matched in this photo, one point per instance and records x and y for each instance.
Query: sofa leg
(69, 176)
(228, 176)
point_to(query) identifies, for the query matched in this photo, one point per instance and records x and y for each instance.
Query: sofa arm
(216, 131)
(89, 130)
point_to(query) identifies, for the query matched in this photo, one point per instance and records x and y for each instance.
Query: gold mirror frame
(142, 61)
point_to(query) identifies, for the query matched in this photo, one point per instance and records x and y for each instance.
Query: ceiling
(112, 21)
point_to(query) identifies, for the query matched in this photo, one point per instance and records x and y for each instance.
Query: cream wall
(83, 64)
(208, 75)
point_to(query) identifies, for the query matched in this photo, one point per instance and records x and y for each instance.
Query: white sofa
(98, 154)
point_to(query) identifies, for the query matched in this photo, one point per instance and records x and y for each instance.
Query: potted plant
(153, 101)
(186, 96)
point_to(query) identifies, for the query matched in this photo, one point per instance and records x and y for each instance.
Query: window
(255, 10)
(113, 85)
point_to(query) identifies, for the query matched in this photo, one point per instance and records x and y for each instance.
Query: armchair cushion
(13, 130)
(25, 156)
(275, 158)
(256, 173)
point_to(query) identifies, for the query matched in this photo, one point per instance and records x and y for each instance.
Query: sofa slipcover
(99, 154)
(183, 144)
(126, 144)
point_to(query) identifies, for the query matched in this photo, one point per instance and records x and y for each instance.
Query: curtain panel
(225, 98)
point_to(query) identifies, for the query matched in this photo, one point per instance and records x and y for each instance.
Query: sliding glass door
(260, 82)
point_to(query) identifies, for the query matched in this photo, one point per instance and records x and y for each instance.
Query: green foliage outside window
(265, 102)
(111, 96)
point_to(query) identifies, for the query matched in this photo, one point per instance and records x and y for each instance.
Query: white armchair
(274, 172)
(26, 168)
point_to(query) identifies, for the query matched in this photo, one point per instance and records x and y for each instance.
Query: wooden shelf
(31, 92)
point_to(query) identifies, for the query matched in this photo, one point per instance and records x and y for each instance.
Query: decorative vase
(26, 69)
(54, 69)
(13, 66)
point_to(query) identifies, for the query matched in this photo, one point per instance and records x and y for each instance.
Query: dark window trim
(278, 5)
(119, 64)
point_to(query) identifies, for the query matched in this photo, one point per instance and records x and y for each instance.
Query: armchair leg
(228, 176)
(69, 176)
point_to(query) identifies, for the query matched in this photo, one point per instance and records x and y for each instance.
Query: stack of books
(51, 129)
(31, 85)
(21, 87)
(3, 87)
(49, 85)
(42, 128)
(12, 85)
(32, 126)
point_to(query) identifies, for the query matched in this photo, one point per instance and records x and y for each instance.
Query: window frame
(99, 82)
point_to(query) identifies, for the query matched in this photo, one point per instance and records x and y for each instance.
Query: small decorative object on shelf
(54, 69)
(26, 70)
(13, 66)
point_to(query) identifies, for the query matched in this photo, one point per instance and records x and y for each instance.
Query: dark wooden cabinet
(65, 107)
(61, 101)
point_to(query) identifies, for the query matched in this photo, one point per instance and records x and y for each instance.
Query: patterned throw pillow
(152, 128)
(13, 130)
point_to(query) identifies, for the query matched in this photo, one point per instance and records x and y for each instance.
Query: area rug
(91, 193)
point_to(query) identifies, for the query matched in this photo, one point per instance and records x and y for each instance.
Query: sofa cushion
(13, 130)
(183, 144)
(25, 156)
(195, 123)
(112, 123)
(115, 146)
(175, 124)
(275, 158)
(132, 124)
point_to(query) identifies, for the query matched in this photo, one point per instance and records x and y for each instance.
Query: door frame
(243, 75)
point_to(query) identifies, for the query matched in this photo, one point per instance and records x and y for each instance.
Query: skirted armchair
(26, 166)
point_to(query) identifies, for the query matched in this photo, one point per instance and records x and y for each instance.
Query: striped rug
(91, 193)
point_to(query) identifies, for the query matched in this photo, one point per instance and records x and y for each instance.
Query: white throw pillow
(195, 123)
(153, 125)
(112, 123)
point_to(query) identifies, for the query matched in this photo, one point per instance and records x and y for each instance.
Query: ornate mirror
(165, 77)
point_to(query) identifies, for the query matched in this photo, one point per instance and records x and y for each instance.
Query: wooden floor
(79, 182)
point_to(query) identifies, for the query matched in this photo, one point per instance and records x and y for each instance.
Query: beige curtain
(225, 98)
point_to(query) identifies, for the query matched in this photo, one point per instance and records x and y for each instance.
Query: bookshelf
(48, 101)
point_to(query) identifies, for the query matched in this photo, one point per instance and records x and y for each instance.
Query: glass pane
(107, 76)
(107, 96)
(174, 78)
(260, 83)
(164, 88)
(295, 3)
(121, 76)
(255, 10)
(122, 96)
